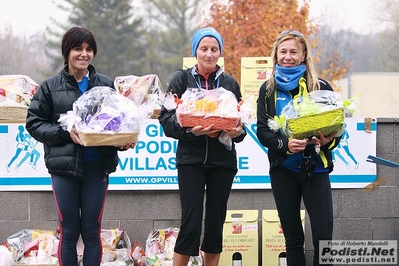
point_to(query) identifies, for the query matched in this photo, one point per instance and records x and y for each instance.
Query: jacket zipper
(206, 150)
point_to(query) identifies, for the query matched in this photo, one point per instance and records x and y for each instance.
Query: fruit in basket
(206, 105)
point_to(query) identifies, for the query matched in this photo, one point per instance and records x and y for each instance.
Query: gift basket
(160, 247)
(199, 107)
(320, 110)
(116, 247)
(103, 117)
(147, 88)
(34, 247)
(40, 247)
(5, 256)
(137, 255)
(16, 92)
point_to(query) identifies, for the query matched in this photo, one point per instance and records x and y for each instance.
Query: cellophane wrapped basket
(327, 122)
(142, 89)
(320, 110)
(103, 117)
(108, 138)
(160, 245)
(13, 112)
(40, 247)
(188, 120)
(16, 92)
(217, 107)
(33, 247)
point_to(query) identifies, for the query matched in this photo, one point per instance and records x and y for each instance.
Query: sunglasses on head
(294, 32)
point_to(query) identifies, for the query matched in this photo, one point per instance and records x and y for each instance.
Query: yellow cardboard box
(240, 235)
(191, 61)
(273, 243)
(254, 71)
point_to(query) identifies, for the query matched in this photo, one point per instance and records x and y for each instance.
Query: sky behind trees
(27, 17)
(26, 30)
(351, 15)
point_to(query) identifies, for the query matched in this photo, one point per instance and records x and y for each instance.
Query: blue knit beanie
(201, 33)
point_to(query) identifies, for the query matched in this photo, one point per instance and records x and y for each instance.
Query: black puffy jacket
(54, 97)
(193, 149)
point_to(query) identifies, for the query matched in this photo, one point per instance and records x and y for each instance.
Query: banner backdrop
(151, 165)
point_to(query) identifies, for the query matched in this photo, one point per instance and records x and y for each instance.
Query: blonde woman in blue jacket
(298, 170)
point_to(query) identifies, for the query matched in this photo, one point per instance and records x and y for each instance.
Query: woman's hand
(199, 131)
(325, 140)
(296, 145)
(235, 132)
(75, 137)
(127, 146)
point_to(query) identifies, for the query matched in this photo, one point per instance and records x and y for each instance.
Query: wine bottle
(237, 259)
(282, 259)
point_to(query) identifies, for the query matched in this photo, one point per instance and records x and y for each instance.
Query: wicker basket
(155, 114)
(221, 123)
(327, 122)
(13, 112)
(108, 138)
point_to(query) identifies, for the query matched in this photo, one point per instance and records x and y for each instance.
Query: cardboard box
(240, 235)
(191, 61)
(254, 72)
(273, 241)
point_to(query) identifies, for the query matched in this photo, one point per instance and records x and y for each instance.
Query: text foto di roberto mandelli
(364, 250)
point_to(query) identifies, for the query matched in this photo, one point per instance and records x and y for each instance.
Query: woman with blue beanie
(202, 160)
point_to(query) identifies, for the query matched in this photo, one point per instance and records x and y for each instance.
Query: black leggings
(80, 202)
(192, 182)
(317, 198)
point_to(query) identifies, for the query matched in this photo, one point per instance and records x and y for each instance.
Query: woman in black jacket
(79, 174)
(202, 160)
(299, 168)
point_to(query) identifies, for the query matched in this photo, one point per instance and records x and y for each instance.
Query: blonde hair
(312, 80)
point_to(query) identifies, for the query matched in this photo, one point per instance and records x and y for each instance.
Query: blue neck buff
(287, 77)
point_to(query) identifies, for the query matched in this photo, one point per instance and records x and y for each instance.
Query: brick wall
(357, 216)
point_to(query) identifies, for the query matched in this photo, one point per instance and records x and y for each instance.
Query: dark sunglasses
(294, 32)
